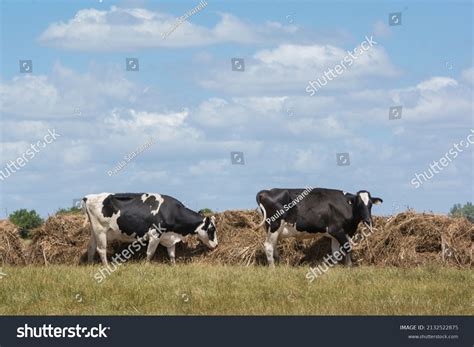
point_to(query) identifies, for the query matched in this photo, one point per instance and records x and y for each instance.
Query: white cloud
(76, 155)
(436, 83)
(327, 127)
(219, 112)
(289, 67)
(280, 149)
(381, 29)
(151, 177)
(468, 75)
(129, 29)
(212, 167)
(434, 102)
(10, 150)
(65, 93)
(15, 128)
(27, 94)
(438, 98)
(310, 160)
(163, 127)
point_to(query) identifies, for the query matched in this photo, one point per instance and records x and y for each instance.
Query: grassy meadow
(198, 289)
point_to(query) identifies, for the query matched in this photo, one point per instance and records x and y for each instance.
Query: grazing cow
(160, 219)
(303, 213)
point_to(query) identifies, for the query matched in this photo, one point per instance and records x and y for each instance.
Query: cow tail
(87, 218)
(264, 216)
(262, 211)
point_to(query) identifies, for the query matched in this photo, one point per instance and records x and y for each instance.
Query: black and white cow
(160, 219)
(303, 213)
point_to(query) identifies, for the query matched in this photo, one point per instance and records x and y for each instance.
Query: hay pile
(11, 250)
(409, 239)
(405, 240)
(240, 243)
(60, 240)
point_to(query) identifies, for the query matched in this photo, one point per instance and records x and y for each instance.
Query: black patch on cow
(107, 207)
(136, 215)
(319, 211)
(210, 228)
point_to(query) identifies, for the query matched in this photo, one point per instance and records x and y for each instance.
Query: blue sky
(186, 97)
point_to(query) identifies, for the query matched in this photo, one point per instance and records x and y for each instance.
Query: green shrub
(205, 211)
(466, 211)
(26, 220)
(68, 210)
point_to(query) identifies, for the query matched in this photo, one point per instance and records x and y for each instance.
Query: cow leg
(101, 241)
(276, 253)
(92, 248)
(348, 260)
(342, 239)
(334, 245)
(171, 250)
(270, 245)
(153, 242)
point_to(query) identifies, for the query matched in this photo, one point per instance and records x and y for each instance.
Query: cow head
(362, 206)
(207, 232)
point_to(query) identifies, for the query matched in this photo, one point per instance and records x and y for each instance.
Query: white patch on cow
(94, 201)
(170, 238)
(102, 224)
(202, 235)
(287, 230)
(144, 197)
(120, 236)
(158, 198)
(365, 198)
(152, 234)
(113, 222)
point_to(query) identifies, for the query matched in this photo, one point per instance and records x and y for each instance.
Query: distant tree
(205, 211)
(69, 210)
(26, 220)
(466, 211)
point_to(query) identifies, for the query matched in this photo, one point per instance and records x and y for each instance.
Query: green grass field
(193, 289)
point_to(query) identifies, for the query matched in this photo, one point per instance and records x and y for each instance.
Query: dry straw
(405, 240)
(11, 251)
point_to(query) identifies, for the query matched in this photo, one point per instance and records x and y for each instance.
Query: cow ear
(376, 201)
(207, 220)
